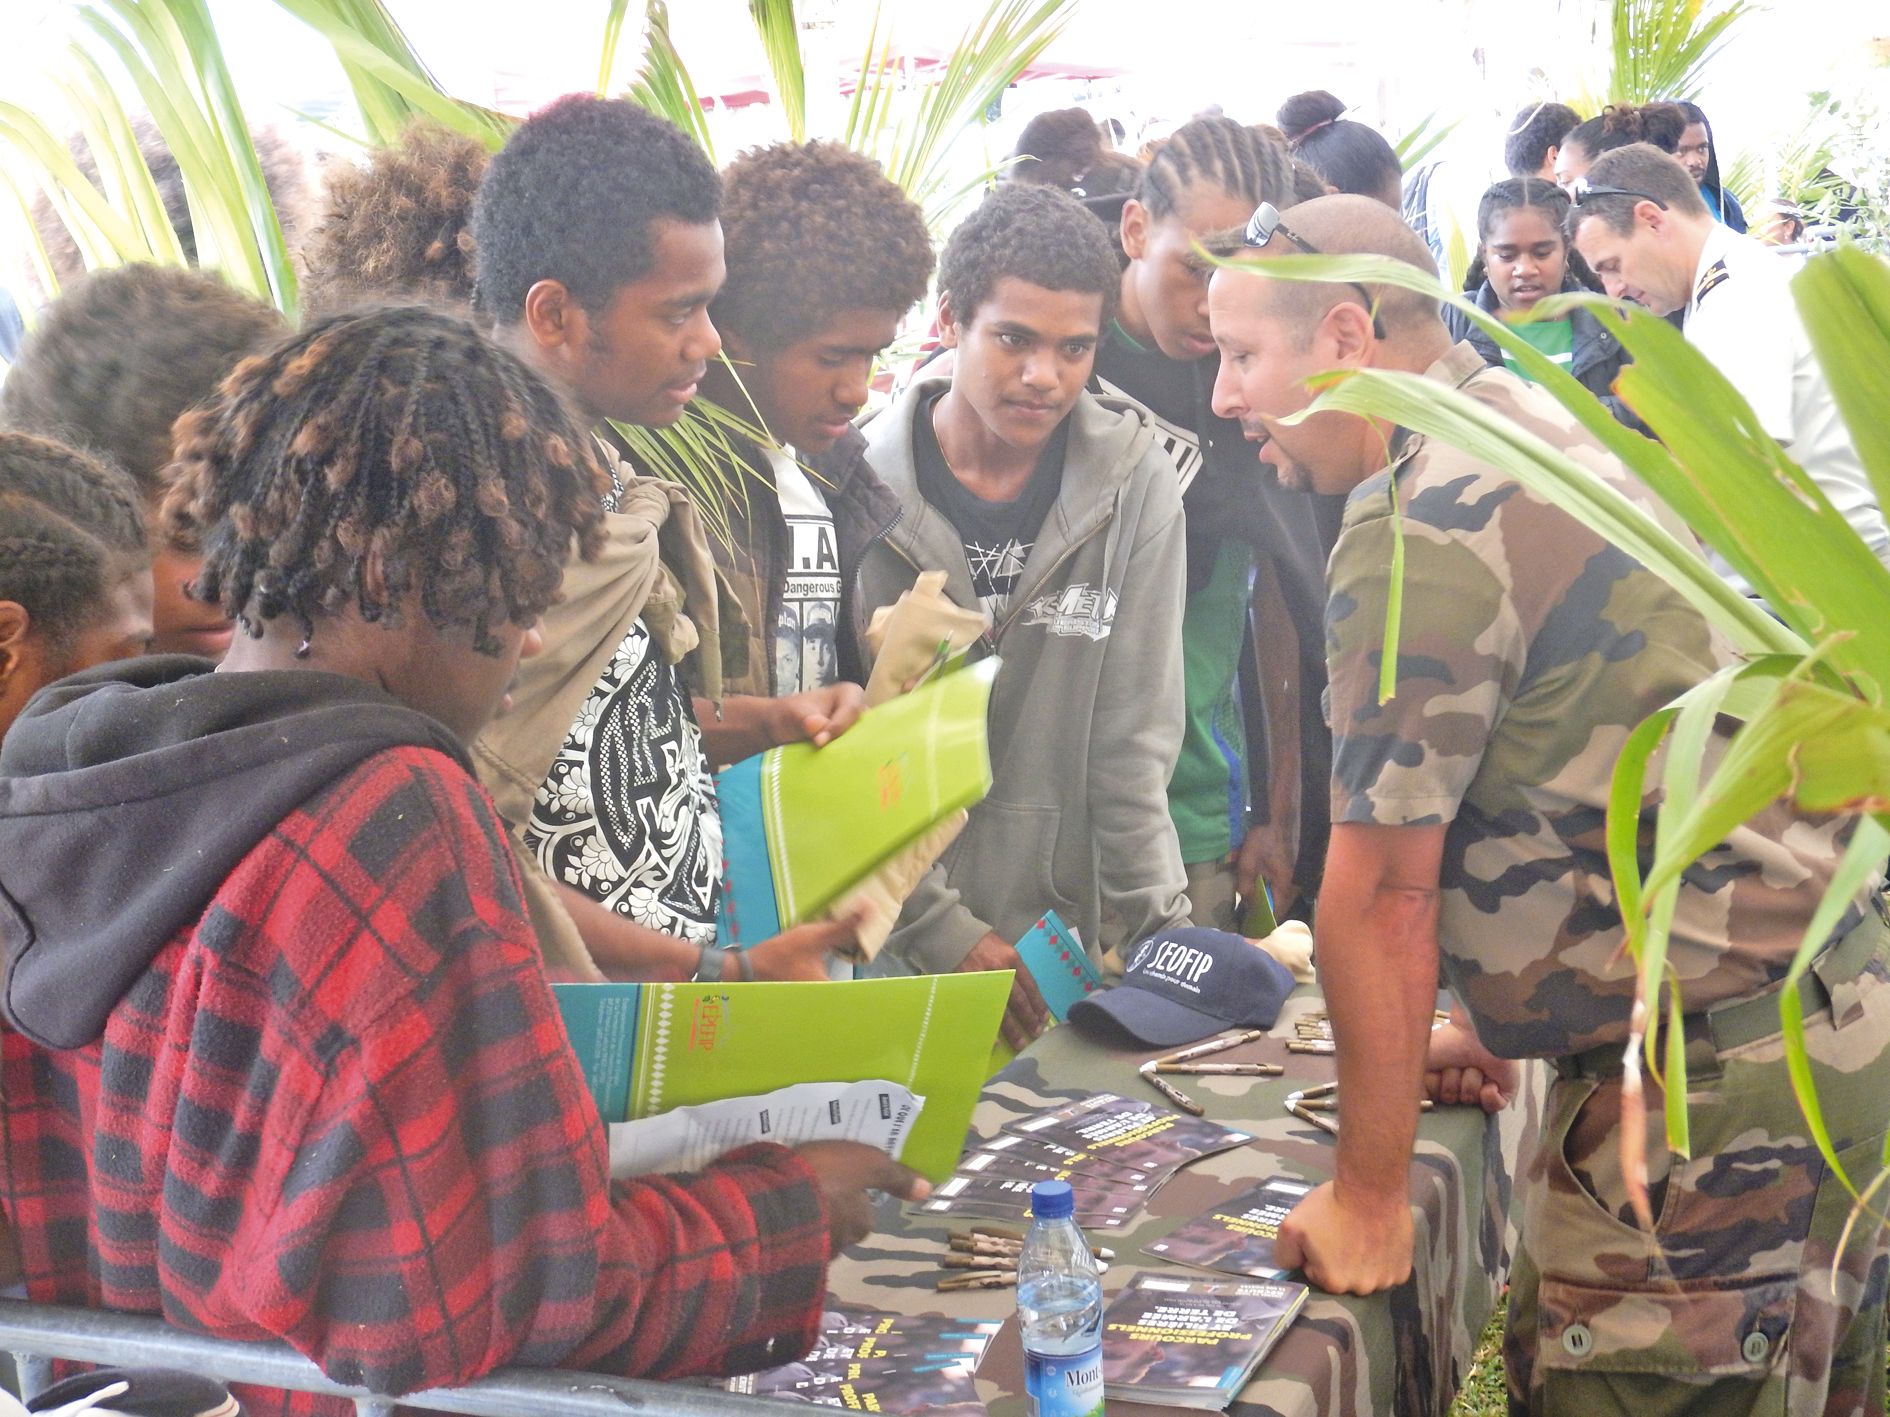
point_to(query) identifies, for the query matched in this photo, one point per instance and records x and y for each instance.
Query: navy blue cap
(1184, 985)
(1052, 1200)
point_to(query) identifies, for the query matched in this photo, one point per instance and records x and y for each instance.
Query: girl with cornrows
(1526, 256)
(1248, 796)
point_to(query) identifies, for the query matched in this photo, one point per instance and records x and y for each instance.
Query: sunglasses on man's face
(1581, 189)
(1265, 224)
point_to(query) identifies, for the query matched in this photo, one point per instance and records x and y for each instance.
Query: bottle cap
(1052, 1200)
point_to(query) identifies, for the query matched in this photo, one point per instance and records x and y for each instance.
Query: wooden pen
(1173, 1094)
(1214, 1045)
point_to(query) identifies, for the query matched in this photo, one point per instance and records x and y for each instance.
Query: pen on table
(1255, 1070)
(1214, 1045)
(1313, 1117)
(1173, 1093)
(987, 1279)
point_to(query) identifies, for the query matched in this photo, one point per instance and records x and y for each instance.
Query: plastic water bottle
(1060, 1308)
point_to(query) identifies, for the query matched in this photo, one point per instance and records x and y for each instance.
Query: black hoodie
(128, 794)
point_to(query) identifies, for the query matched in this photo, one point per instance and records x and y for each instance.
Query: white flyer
(880, 1114)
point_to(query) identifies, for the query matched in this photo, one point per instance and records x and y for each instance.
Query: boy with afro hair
(825, 256)
(114, 362)
(1056, 513)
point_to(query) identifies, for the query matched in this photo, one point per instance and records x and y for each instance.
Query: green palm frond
(914, 147)
(1659, 49)
(781, 41)
(391, 84)
(1423, 140)
(663, 84)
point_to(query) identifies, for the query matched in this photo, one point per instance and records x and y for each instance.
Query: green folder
(801, 826)
(647, 1048)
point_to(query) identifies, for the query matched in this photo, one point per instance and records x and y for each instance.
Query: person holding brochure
(599, 250)
(375, 1142)
(826, 255)
(1057, 515)
(1468, 808)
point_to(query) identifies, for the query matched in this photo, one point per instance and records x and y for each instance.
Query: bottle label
(1064, 1385)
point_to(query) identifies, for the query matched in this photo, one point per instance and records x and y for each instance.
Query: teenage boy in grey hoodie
(1058, 514)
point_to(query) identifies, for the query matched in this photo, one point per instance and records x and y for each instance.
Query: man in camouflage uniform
(1468, 818)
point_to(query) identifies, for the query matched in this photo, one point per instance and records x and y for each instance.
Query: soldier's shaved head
(1343, 224)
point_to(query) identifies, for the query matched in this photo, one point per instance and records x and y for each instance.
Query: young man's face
(809, 392)
(639, 359)
(1169, 279)
(1265, 362)
(1642, 264)
(1023, 357)
(1695, 151)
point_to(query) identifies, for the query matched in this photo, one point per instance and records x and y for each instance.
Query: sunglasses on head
(1581, 189)
(1265, 224)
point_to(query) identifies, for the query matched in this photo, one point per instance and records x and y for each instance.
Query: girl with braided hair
(75, 572)
(1526, 257)
(274, 893)
(1248, 794)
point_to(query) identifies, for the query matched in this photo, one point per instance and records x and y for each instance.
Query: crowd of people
(360, 680)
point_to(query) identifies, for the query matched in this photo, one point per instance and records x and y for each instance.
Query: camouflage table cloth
(1404, 1352)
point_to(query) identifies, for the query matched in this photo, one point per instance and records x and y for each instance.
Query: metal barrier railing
(36, 1334)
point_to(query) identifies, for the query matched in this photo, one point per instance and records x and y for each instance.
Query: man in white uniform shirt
(1642, 226)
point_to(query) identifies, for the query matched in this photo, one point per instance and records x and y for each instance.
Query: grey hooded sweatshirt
(1086, 714)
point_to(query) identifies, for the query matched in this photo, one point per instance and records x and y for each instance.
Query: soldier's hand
(846, 1171)
(1460, 1070)
(1347, 1244)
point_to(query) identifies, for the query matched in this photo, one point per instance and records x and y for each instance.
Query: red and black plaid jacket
(341, 1110)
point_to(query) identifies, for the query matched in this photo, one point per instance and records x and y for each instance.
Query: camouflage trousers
(1749, 1296)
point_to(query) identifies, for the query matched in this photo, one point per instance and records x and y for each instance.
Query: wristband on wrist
(708, 965)
(744, 965)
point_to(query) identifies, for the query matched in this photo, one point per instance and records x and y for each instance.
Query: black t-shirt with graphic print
(997, 535)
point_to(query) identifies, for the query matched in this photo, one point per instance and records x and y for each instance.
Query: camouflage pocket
(1717, 1350)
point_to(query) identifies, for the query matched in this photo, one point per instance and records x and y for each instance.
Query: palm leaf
(1659, 49)
(1007, 39)
(1420, 142)
(663, 85)
(607, 50)
(781, 40)
(391, 85)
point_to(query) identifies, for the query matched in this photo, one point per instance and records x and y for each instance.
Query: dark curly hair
(811, 230)
(123, 352)
(1238, 160)
(1349, 155)
(572, 197)
(1056, 149)
(1620, 124)
(1533, 132)
(401, 226)
(69, 526)
(402, 432)
(1036, 234)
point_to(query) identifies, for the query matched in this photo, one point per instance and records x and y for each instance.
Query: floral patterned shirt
(628, 813)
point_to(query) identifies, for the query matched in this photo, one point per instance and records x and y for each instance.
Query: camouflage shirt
(1530, 649)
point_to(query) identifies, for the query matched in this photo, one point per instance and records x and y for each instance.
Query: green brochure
(647, 1048)
(801, 826)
